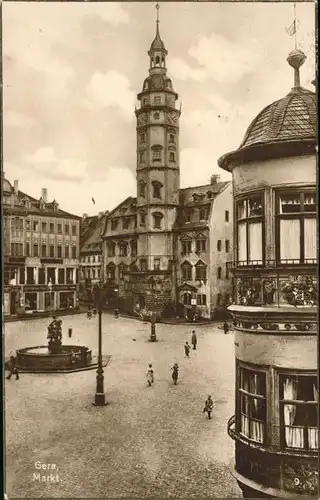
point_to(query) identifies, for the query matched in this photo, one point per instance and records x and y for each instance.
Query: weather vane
(157, 7)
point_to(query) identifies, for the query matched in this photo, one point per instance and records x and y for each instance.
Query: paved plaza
(149, 441)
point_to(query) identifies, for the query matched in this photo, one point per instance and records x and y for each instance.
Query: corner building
(156, 246)
(275, 314)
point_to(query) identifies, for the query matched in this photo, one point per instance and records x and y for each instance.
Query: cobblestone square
(148, 441)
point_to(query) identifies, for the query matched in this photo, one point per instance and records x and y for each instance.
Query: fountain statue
(55, 336)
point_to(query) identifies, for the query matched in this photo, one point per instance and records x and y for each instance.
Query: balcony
(245, 265)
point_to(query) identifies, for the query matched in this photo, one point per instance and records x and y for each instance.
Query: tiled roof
(291, 118)
(203, 194)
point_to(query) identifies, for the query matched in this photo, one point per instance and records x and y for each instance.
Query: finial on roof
(296, 58)
(157, 7)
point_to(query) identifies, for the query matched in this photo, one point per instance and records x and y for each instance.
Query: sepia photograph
(159, 250)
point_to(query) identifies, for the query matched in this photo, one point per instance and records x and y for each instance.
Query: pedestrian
(89, 313)
(116, 313)
(194, 340)
(13, 366)
(225, 327)
(208, 407)
(175, 373)
(187, 349)
(150, 375)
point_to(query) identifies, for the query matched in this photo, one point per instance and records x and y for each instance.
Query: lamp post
(99, 399)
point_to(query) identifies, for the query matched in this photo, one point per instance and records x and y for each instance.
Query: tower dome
(284, 128)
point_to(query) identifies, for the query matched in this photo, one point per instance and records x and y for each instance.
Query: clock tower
(158, 173)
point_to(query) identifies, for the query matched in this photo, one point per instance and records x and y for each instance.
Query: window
(156, 115)
(44, 227)
(156, 190)
(51, 227)
(219, 245)
(186, 271)
(219, 274)
(17, 249)
(227, 242)
(201, 271)
(145, 101)
(187, 215)
(296, 237)
(51, 250)
(35, 250)
(186, 247)
(172, 138)
(114, 224)
(142, 219)
(59, 249)
(28, 249)
(200, 244)
(156, 264)
(156, 155)
(69, 275)
(60, 228)
(142, 155)
(157, 100)
(44, 250)
(202, 214)
(201, 300)
(123, 249)
(172, 156)
(143, 137)
(250, 213)
(111, 249)
(157, 218)
(28, 225)
(125, 223)
(74, 252)
(74, 230)
(67, 229)
(111, 271)
(226, 215)
(66, 252)
(219, 299)
(142, 186)
(252, 395)
(133, 245)
(31, 276)
(143, 265)
(121, 271)
(61, 276)
(299, 397)
(227, 271)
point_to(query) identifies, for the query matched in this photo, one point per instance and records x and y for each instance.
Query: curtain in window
(310, 238)
(257, 430)
(293, 435)
(245, 421)
(313, 433)
(242, 242)
(255, 241)
(289, 239)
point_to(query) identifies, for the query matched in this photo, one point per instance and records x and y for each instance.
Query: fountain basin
(70, 358)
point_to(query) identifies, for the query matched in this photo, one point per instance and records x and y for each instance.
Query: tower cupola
(157, 51)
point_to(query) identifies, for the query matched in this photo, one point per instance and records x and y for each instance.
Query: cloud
(180, 70)
(111, 89)
(197, 166)
(15, 119)
(45, 162)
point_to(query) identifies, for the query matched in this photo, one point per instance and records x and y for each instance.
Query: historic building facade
(275, 315)
(41, 253)
(146, 250)
(90, 265)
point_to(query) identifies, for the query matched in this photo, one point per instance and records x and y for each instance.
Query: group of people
(208, 405)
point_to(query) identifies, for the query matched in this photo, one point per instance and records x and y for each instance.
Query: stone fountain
(55, 357)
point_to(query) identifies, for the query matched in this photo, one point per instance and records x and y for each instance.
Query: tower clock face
(172, 119)
(142, 119)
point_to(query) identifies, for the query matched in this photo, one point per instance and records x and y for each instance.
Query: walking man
(208, 407)
(194, 340)
(13, 367)
(225, 327)
(187, 349)
(175, 373)
(150, 376)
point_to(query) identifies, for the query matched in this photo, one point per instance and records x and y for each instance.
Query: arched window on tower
(142, 188)
(157, 60)
(157, 189)
(157, 219)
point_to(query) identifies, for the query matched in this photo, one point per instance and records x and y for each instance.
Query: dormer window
(142, 188)
(114, 224)
(157, 218)
(157, 189)
(125, 223)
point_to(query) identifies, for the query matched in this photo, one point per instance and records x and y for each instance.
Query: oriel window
(252, 396)
(250, 215)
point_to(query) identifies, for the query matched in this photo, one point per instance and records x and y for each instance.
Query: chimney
(16, 186)
(100, 214)
(214, 179)
(44, 194)
(84, 216)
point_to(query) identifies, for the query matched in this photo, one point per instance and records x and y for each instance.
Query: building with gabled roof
(41, 253)
(166, 250)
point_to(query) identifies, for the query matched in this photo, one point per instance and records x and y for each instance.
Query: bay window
(296, 239)
(249, 214)
(252, 398)
(299, 396)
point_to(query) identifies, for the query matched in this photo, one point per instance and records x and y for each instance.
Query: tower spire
(157, 7)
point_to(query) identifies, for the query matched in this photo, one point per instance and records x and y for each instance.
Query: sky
(71, 73)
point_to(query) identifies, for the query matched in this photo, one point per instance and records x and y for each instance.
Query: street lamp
(99, 399)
